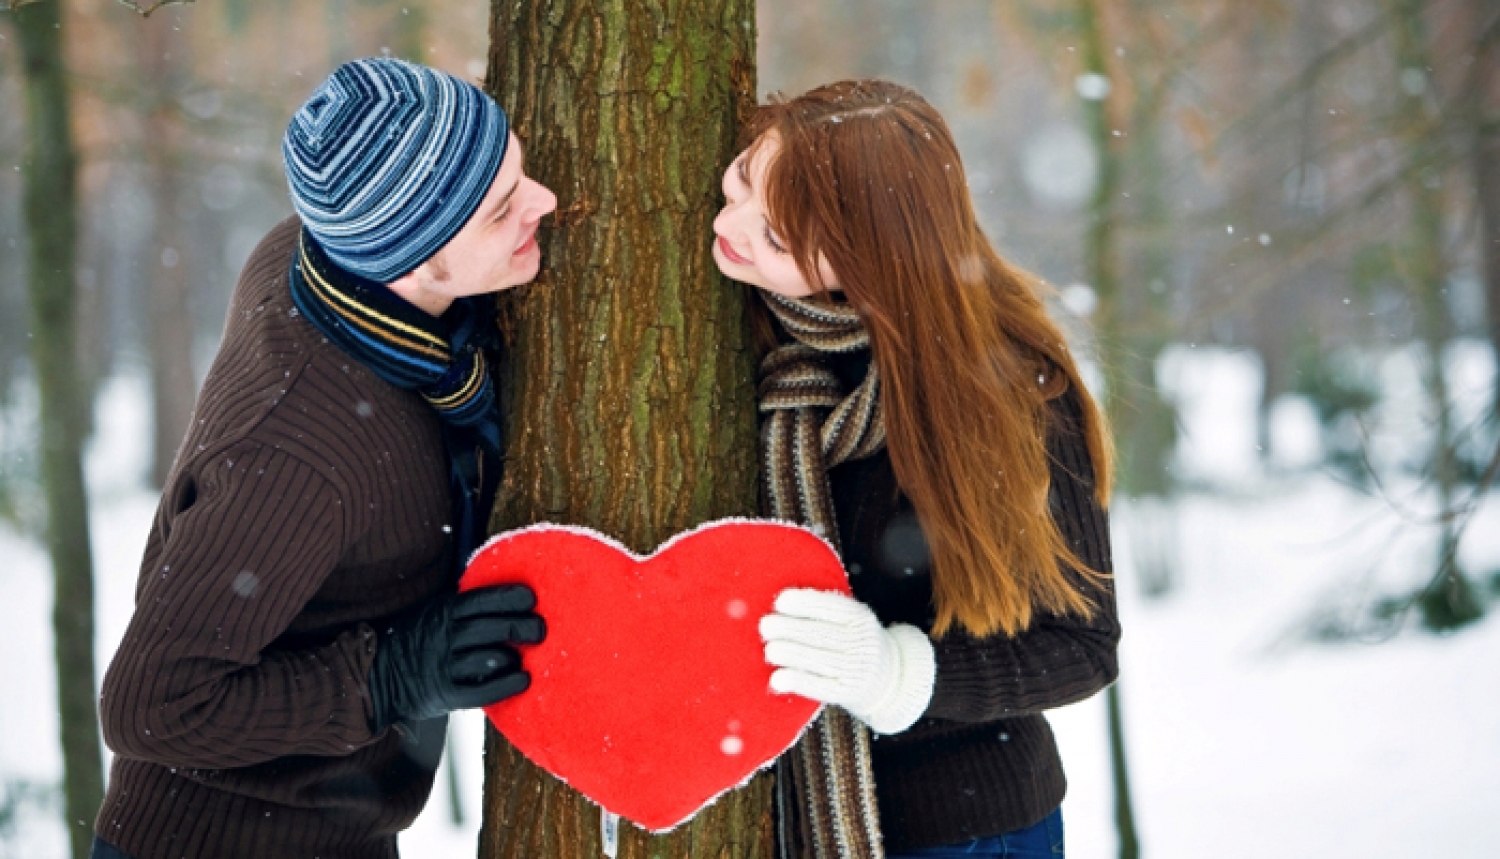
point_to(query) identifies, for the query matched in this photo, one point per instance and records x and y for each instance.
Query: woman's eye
(773, 241)
(503, 215)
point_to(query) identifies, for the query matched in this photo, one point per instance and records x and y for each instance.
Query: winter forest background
(1273, 227)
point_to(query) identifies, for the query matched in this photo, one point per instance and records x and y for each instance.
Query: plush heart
(651, 694)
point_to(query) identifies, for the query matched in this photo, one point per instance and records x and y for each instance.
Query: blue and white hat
(388, 160)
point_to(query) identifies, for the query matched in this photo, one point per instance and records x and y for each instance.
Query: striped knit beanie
(388, 160)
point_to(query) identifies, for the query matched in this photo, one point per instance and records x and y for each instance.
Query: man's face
(495, 250)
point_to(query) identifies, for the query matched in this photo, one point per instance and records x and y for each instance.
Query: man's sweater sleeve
(242, 541)
(1057, 660)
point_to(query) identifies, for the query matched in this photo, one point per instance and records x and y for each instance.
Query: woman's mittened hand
(832, 648)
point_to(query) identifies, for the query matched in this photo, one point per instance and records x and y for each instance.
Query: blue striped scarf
(446, 359)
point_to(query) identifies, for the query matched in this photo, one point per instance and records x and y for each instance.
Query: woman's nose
(722, 221)
(728, 214)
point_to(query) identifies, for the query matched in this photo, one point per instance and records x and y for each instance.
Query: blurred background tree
(50, 201)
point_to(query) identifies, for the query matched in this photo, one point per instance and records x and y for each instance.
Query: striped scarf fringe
(825, 785)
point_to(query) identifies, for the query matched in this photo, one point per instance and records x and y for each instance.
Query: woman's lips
(729, 253)
(527, 245)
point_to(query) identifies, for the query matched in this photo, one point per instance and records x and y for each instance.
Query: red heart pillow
(651, 694)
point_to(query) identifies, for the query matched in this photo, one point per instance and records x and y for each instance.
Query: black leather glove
(452, 654)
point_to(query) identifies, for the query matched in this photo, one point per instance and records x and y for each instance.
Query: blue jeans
(1042, 841)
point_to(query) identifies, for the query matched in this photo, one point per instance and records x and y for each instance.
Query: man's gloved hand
(452, 654)
(832, 648)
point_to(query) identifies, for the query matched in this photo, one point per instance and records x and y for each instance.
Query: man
(283, 686)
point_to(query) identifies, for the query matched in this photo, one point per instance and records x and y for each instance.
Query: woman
(922, 412)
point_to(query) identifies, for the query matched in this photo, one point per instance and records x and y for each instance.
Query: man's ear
(407, 285)
(433, 270)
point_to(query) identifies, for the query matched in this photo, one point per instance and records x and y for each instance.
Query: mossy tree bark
(630, 386)
(51, 223)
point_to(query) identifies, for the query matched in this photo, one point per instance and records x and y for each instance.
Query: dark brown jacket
(308, 503)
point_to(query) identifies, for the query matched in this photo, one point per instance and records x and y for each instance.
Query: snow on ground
(1244, 737)
(1241, 733)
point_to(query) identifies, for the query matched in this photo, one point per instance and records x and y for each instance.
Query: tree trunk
(1121, 374)
(51, 220)
(1485, 107)
(1448, 601)
(1146, 429)
(630, 386)
(1280, 322)
(336, 17)
(1130, 842)
(407, 36)
(169, 324)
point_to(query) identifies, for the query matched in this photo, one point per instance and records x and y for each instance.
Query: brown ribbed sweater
(308, 502)
(982, 760)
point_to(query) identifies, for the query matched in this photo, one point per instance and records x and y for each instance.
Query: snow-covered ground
(1245, 738)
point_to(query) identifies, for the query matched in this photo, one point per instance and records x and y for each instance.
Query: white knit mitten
(832, 648)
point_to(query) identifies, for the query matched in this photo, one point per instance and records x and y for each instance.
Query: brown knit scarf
(825, 785)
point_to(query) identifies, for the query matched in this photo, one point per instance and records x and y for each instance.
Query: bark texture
(51, 222)
(630, 384)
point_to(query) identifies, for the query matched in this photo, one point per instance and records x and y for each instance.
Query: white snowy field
(1245, 738)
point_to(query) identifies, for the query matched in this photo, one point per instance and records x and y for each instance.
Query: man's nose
(543, 202)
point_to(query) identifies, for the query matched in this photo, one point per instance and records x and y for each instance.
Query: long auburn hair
(868, 176)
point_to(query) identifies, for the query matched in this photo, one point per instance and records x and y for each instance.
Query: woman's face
(746, 249)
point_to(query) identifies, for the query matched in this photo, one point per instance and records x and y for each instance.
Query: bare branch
(1308, 77)
(145, 11)
(1355, 621)
(1300, 248)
